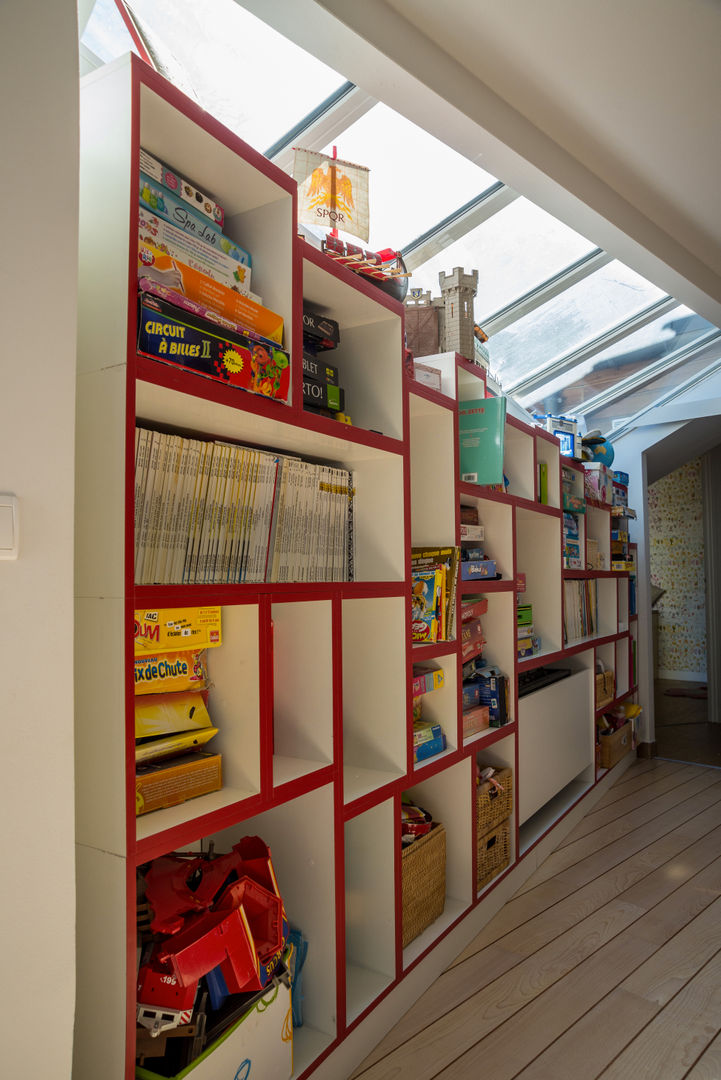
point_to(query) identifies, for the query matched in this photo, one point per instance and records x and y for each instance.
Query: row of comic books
(434, 579)
(210, 512)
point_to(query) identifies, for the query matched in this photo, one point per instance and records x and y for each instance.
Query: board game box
(176, 274)
(246, 361)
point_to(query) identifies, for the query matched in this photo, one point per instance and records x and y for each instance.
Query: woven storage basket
(605, 688)
(494, 852)
(423, 882)
(494, 806)
(616, 746)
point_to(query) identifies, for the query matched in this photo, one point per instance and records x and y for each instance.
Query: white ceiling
(605, 113)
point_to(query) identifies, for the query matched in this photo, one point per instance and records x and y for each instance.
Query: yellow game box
(162, 784)
(162, 630)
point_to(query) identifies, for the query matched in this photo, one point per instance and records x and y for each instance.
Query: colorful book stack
(322, 392)
(196, 308)
(474, 564)
(580, 609)
(434, 577)
(476, 712)
(574, 504)
(528, 642)
(621, 558)
(428, 736)
(216, 512)
(172, 723)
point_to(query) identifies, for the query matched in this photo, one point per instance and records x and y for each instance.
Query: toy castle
(445, 323)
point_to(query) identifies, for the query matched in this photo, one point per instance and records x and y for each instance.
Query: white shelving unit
(311, 687)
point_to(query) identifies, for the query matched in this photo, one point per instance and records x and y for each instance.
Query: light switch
(8, 527)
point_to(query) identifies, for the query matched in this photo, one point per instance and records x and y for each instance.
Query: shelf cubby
(623, 605)
(538, 555)
(368, 356)
(501, 754)
(497, 520)
(446, 796)
(432, 473)
(461, 379)
(374, 693)
(598, 528)
(623, 683)
(518, 460)
(302, 636)
(548, 453)
(302, 842)
(370, 906)
(378, 473)
(441, 706)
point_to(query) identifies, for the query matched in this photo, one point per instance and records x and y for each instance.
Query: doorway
(683, 571)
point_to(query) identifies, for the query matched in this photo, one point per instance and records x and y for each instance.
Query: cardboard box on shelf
(159, 785)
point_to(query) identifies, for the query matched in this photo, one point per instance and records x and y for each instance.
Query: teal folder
(481, 424)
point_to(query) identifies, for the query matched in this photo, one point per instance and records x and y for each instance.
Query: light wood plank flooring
(607, 963)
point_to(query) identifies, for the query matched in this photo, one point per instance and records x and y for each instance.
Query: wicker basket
(494, 805)
(605, 688)
(616, 746)
(494, 852)
(423, 882)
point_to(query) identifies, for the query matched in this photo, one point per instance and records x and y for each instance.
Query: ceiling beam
(323, 125)
(457, 225)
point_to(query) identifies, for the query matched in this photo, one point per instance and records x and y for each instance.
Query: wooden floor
(607, 963)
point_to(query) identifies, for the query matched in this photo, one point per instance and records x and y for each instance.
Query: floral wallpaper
(675, 529)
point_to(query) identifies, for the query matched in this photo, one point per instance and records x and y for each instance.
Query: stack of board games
(474, 563)
(428, 736)
(528, 642)
(434, 578)
(172, 723)
(210, 512)
(196, 310)
(476, 715)
(488, 688)
(322, 392)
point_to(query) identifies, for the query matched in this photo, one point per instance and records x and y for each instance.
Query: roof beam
(323, 125)
(457, 225)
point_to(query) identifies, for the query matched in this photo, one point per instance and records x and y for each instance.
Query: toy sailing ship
(333, 195)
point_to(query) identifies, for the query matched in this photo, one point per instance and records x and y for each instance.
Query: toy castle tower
(455, 318)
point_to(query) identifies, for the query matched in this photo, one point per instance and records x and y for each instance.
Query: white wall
(38, 226)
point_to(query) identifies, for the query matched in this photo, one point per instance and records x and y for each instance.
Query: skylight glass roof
(515, 250)
(582, 312)
(415, 180)
(639, 351)
(222, 51)
(571, 331)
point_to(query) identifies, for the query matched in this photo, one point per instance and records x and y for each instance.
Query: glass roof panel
(514, 251)
(105, 33)
(415, 180)
(581, 313)
(566, 393)
(222, 51)
(608, 416)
